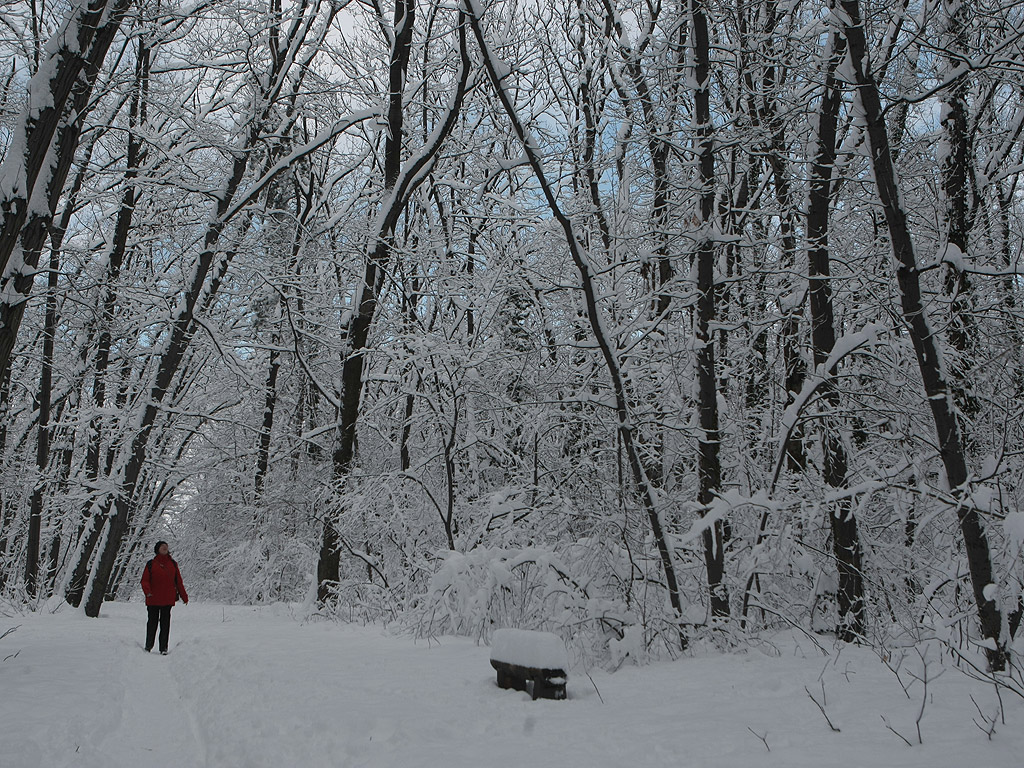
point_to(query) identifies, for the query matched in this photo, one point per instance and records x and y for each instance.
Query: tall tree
(401, 179)
(709, 441)
(926, 343)
(293, 46)
(846, 545)
(497, 71)
(37, 163)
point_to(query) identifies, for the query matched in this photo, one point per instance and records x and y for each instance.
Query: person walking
(162, 585)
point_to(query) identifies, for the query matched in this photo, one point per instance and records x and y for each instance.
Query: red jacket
(161, 581)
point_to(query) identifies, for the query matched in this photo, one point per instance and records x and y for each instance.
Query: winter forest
(658, 325)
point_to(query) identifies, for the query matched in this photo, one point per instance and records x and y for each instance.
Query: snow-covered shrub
(486, 589)
(239, 552)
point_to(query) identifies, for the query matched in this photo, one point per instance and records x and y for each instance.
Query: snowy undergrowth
(477, 592)
(253, 687)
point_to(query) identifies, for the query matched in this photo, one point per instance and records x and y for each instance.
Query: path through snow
(259, 688)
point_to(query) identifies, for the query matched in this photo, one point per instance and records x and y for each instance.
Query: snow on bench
(534, 662)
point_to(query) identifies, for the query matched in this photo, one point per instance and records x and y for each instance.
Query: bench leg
(545, 689)
(509, 681)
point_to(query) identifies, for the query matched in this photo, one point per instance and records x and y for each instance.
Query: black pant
(158, 614)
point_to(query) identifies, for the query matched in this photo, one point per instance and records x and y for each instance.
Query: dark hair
(156, 548)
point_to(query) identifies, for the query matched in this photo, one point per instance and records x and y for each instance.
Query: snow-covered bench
(534, 662)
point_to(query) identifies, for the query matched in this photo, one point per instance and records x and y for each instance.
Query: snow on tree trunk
(207, 272)
(36, 165)
(400, 181)
(846, 544)
(926, 344)
(498, 71)
(709, 465)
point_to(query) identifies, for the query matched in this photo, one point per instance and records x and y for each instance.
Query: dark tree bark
(846, 546)
(410, 304)
(266, 428)
(767, 116)
(329, 564)
(925, 343)
(274, 361)
(44, 431)
(43, 399)
(101, 359)
(660, 116)
(709, 465)
(661, 271)
(450, 525)
(590, 128)
(53, 563)
(33, 174)
(399, 185)
(93, 522)
(581, 260)
(1004, 239)
(956, 165)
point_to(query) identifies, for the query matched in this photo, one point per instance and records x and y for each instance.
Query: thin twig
(905, 741)
(764, 738)
(977, 673)
(884, 657)
(923, 679)
(795, 625)
(595, 685)
(820, 707)
(990, 722)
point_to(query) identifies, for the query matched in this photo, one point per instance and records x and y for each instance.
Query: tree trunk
(846, 546)
(588, 285)
(709, 466)
(269, 405)
(955, 167)
(101, 359)
(410, 304)
(43, 443)
(329, 564)
(791, 305)
(32, 175)
(43, 400)
(399, 184)
(53, 563)
(925, 342)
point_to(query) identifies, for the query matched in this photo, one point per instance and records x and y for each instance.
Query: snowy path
(156, 726)
(95, 697)
(248, 688)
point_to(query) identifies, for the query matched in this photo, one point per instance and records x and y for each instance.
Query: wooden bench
(534, 662)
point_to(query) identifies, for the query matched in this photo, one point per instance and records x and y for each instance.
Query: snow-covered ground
(260, 687)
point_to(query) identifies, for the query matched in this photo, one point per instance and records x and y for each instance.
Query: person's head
(161, 548)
